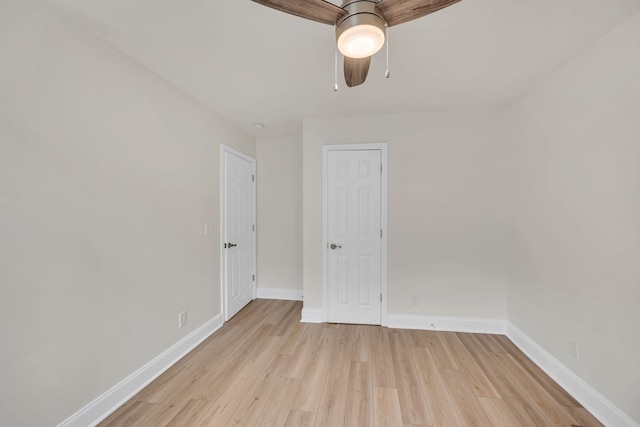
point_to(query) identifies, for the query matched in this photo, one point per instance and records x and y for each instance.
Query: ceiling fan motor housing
(360, 13)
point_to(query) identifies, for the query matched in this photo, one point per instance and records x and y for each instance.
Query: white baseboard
(113, 398)
(311, 315)
(453, 324)
(275, 293)
(605, 411)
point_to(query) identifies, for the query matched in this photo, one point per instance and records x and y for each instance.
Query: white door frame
(382, 146)
(223, 289)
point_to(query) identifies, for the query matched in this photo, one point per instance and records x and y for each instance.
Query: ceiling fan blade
(356, 70)
(401, 11)
(315, 10)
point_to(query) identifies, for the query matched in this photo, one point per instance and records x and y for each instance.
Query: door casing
(382, 146)
(226, 149)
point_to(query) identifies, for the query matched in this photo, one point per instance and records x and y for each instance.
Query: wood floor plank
(439, 350)
(176, 399)
(290, 320)
(278, 407)
(555, 413)
(314, 379)
(490, 343)
(254, 310)
(518, 402)
(279, 313)
(386, 407)
(161, 389)
(303, 351)
(549, 384)
(412, 401)
(219, 377)
(383, 372)
(414, 338)
(334, 395)
(479, 382)
(443, 412)
(499, 413)
(347, 333)
(190, 414)
(210, 347)
(300, 419)
(252, 405)
(292, 339)
(220, 412)
(584, 417)
(467, 405)
(248, 336)
(362, 347)
(159, 416)
(132, 416)
(359, 405)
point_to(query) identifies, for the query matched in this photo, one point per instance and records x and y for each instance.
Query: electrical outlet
(573, 349)
(182, 318)
(415, 300)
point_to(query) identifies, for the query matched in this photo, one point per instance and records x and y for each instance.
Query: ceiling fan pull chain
(335, 74)
(387, 74)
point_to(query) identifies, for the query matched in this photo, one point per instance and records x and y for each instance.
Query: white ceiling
(251, 64)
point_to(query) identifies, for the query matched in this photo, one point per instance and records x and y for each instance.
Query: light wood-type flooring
(265, 368)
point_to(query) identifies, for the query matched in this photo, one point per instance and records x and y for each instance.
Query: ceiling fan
(360, 25)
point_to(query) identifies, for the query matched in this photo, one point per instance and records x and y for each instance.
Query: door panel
(238, 233)
(353, 226)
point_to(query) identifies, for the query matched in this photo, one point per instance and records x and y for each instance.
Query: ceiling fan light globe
(361, 41)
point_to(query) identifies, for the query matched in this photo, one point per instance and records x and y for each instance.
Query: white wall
(446, 209)
(107, 175)
(279, 214)
(575, 237)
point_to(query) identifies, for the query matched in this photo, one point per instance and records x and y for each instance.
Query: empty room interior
(216, 213)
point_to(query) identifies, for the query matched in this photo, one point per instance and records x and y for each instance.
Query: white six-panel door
(238, 231)
(354, 236)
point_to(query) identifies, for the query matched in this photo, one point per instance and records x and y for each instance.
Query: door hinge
(380, 167)
(254, 227)
(381, 233)
(253, 178)
(254, 278)
(380, 297)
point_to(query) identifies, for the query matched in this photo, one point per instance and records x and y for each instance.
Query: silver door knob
(334, 246)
